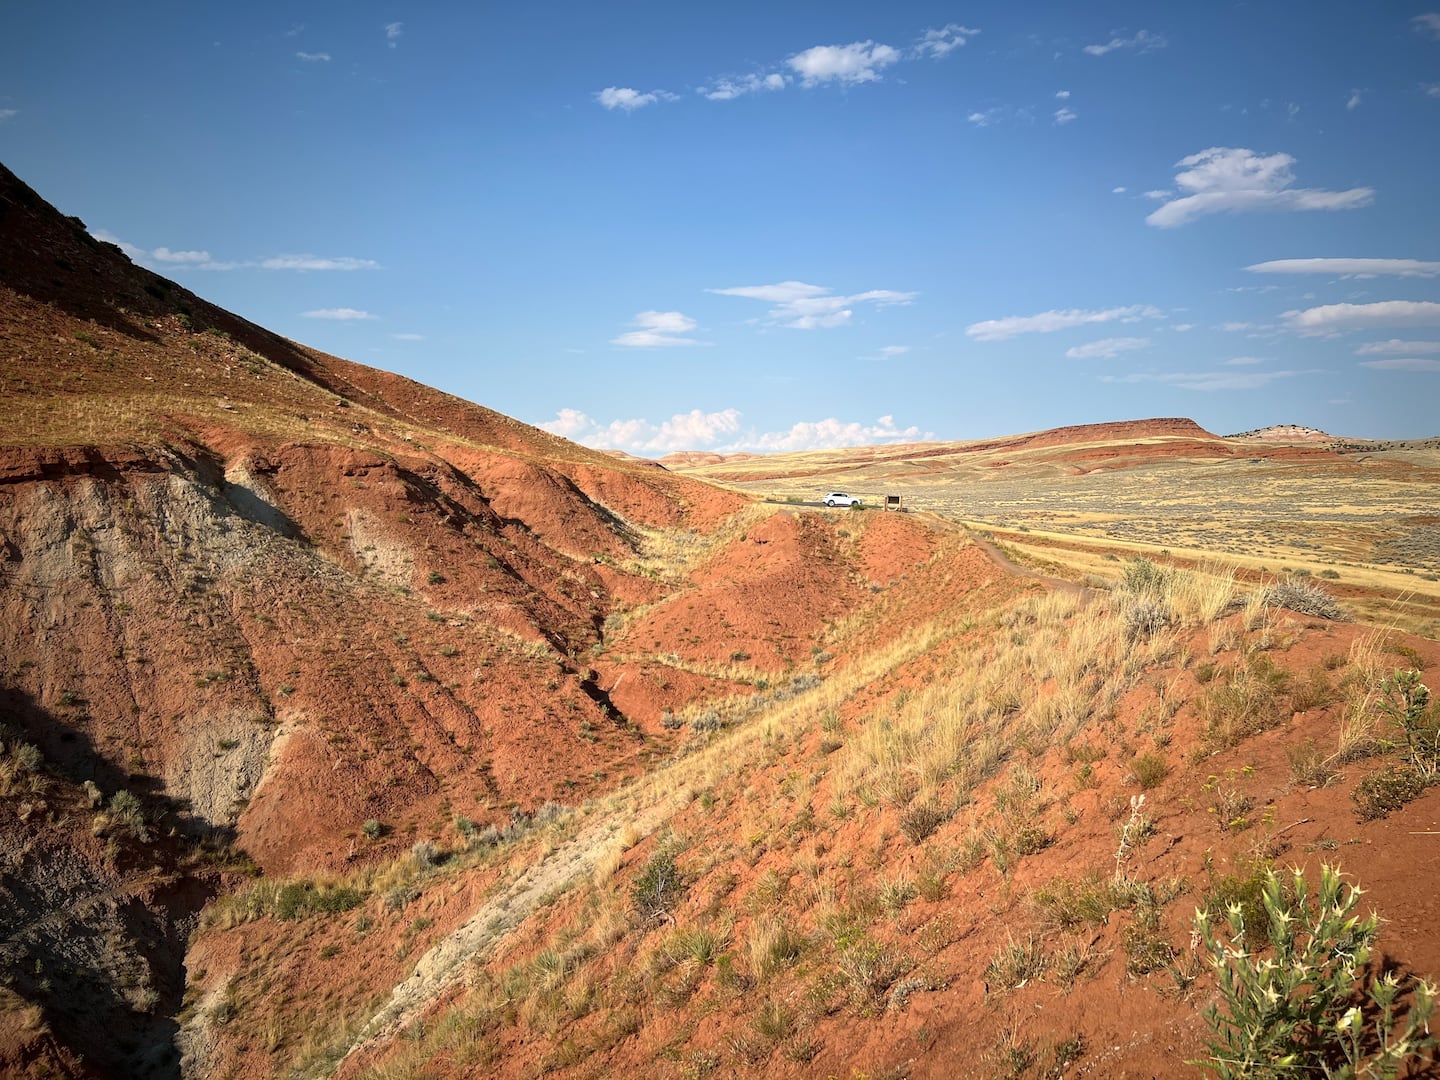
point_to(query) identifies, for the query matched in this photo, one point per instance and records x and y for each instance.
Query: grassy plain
(1368, 522)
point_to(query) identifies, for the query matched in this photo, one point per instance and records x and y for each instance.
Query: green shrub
(1297, 1011)
(1149, 769)
(1245, 704)
(659, 886)
(1388, 790)
(372, 829)
(1405, 701)
(1142, 576)
(922, 819)
(299, 898)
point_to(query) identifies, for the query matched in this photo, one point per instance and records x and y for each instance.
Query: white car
(839, 498)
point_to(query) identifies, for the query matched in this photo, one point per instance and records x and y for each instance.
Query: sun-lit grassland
(974, 769)
(1369, 518)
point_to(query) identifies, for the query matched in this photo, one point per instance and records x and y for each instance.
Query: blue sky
(663, 226)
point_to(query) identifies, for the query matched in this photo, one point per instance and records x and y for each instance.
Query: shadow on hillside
(96, 938)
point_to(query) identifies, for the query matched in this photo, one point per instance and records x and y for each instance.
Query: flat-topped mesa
(1121, 431)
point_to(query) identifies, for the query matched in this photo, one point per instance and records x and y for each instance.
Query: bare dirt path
(1000, 559)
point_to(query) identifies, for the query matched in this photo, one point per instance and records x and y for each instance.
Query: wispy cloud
(314, 57)
(1350, 268)
(1243, 361)
(722, 431)
(1047, 322)
(1429, 23)
(1393, 346)
(339, 314)
(393, 33)
(1210, 380)
(811, 307)
(1403, 363)
(628, 100)
(1062, 95)
(1353, 102)
(889, 352)
(1065, 115)
(408, 337)
(942, 42)
(658, 330)
(165, 258)
(1227, 179)
(1142, 41)
(1334, 318)
(858, 62)
(316, 262)
(986, 118)
(1431, 89)
(1119, 190)
(734, 86)
(1106, 348)
(6, 114)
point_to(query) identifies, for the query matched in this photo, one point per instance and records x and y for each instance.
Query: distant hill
(1286, 433)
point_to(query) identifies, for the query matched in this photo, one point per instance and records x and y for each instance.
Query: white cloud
(1118, 190)
(408, 337)
(6, 114)
(1361, 268)
(316, 262)
(1236, 327)
(1431, 89)
(858, 62)
(394, 32)
(1229, 179)
(984, 119)
(1062, 95)
(343, 314)
(1354, 101)
(1159, 193)
(623, 97)
(697, 430)
(694, 430)
(203, 260)
(1049, 321)
(938, 43)
(831, 433)
(1064, 116)
(1210, 380)
(889, 352)
(1385, 348)
(1429, 23)
(1242, 361)
(1108, 348)
(734, 86)
(1403, 363)
(812, 307)
(1143, 40)
(1184, 327)
(658, 330)
(1340, 317)
(165, 255)
(314, 57)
